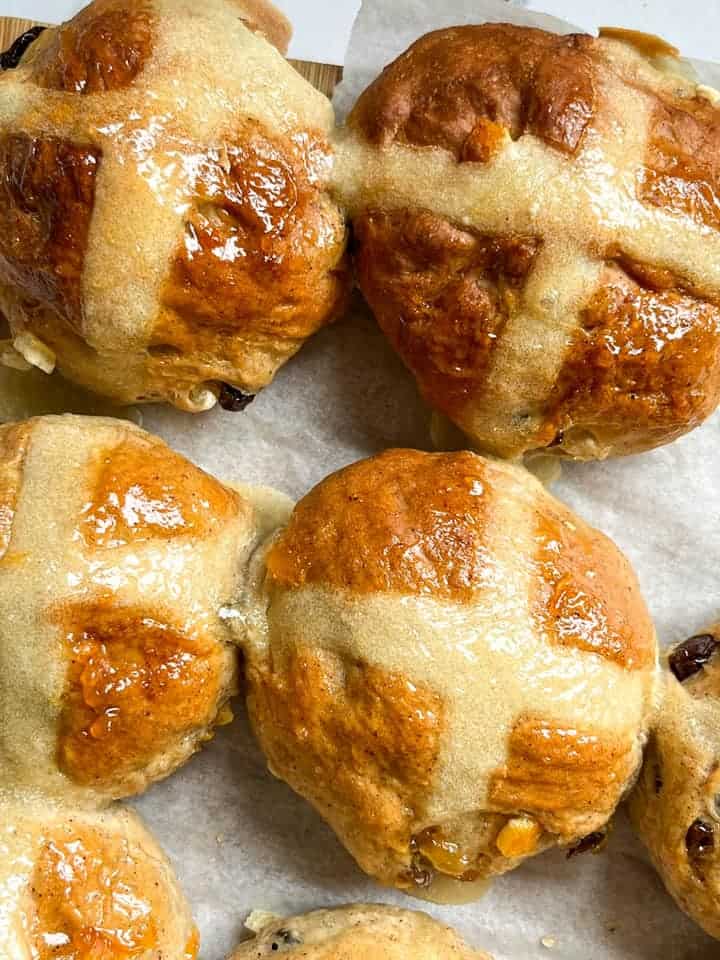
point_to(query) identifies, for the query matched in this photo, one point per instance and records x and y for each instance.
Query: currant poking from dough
(165, 229)
(80, 885)
(537, 228)
(355, 932)
(457, 672)
(116, 557)
(676, 804)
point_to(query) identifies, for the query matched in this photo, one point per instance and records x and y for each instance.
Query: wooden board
(324, 76)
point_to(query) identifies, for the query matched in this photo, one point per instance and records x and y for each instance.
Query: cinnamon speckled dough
(75, 885)
(537, 229)
(165, 229)
(450, 666)
(116, 558)
(676, 804)
(355, 933)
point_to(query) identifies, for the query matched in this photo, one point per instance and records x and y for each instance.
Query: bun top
(538, 234)
(76, 884)
(354, 933)
(162, 177)
(116, 555)
(449, 650)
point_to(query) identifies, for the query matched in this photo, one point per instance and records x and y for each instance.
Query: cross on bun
(455, 670)
(116, 556)
(355, 932)
(165, 229)
(676, 804)
(537, 230)
(79, 885)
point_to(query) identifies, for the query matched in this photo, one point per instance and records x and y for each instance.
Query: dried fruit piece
(700, 839)
(11, 57)
(692, 655)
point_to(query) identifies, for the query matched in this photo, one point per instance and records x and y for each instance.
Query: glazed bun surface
(676, 804)
(165, 229)
(536, 221)
(116, 555)
(357, 932)
(80, 885)
(455, 670)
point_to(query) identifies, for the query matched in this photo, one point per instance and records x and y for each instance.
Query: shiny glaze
(135, 685)
(606, 160)
(143, 491)
(646, 357)
(369, 736)
(441, 595)
(203, 133)
(572, 608)
(256, 242)
(648, 44)
(86, 903)
(552, 770)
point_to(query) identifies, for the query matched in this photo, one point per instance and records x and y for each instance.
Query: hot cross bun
(78, 885)
(537, 229)
(116, 556)
(355, 932)
(455, 670)
(676, 805)
(165, 229)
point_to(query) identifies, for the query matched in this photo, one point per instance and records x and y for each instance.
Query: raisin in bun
(165, 229)
(676, 804)
(455, 670)
(355, 932)
(78, 885)
(538, 235)
(116, 557)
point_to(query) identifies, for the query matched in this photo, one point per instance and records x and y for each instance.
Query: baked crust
(457, 671)
(119, 554)
(598, 164)
(87, 884)
(167, 229)
(675, 806)
(357, 931)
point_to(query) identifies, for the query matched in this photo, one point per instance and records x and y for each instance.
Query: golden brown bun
(77, 885)
(457, 672)
(116, 556)
(356, 932)
(164, 222)
(537, 232)
(676, 804)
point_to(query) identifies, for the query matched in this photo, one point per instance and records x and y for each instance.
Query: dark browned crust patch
(47, 193)
(442, 294)
(103, 48)
(262, 258)
(451, 82)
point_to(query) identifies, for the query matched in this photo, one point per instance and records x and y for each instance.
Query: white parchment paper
(241, 839)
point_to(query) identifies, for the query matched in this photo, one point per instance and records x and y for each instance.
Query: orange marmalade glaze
(144, 490)
(135, 685)
(87, 903)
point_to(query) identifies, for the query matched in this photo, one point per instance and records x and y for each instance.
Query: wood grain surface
(324, 76)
